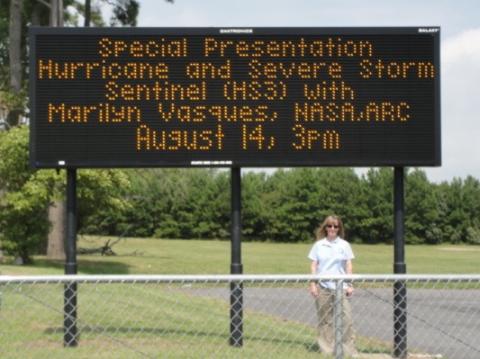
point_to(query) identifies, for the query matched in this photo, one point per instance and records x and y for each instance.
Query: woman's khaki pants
(325, 304)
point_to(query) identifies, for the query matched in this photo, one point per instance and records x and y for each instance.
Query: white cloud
(462, 47)
(460, 112)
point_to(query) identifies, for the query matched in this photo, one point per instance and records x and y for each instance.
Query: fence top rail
(234, 278)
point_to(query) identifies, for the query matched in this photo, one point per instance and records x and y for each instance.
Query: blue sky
(460, 65)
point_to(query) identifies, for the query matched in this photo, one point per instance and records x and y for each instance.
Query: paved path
(440, 321)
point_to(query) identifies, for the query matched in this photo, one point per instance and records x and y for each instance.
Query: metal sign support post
(70, 338)
(399, 267)
(236, 288)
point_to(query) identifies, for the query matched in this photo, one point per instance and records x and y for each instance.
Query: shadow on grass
(312, 347)
(87, 266)
(169, 332)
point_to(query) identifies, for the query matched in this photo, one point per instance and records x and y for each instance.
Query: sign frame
(433, 31)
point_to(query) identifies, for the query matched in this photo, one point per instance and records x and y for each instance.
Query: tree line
(285, 206)
(288, 205)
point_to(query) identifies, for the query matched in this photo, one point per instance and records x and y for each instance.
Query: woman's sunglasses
(332, 226)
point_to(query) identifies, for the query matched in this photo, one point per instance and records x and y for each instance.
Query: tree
(287, 193)
(422, 220)
(376, 226)
(27, 194)
(460, 210)
(471, 191)
(14, 30)
(23, 205)
(13, 91)
(298, 200)
(255, 201)
(13, 43)
(125, 13)
(154, 196)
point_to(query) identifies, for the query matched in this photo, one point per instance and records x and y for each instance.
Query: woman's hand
(313, 289)
(349, 291)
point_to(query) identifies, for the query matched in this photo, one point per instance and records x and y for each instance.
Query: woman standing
(332, 255)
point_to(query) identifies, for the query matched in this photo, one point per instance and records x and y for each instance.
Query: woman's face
(332, 228)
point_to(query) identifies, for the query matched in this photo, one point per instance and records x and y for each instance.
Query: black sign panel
(103, 97)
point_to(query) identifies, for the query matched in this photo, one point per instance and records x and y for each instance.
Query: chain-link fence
(237, 316)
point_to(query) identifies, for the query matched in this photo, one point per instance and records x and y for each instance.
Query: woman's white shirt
(331, 258)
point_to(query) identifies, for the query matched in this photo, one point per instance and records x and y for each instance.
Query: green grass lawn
(126, 321)
(156, 256)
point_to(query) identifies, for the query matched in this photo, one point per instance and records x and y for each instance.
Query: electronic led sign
(259, 97)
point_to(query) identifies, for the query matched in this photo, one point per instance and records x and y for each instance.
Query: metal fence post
(338, 319)
(400, 349)
(236, 287)
(400, 319)
(70, 336)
